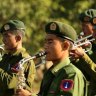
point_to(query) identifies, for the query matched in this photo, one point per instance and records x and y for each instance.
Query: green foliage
(35, 14)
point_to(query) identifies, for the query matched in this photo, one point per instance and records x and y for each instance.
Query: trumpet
(86, 40)
(87, 37)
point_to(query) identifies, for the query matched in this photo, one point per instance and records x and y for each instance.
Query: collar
(16, 52)
(60, 65)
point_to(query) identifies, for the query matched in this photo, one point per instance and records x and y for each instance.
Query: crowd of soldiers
(68, 69)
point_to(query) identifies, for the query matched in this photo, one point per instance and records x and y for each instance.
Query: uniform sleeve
(87, 66)
(73, 86)
(91, 64)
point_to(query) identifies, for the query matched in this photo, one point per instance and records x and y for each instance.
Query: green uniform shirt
(63, 80)
(8, 72)
(88, 67)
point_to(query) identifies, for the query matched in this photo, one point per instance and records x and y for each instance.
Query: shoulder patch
(66, 85)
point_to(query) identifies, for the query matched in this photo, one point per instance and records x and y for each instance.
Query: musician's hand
(77, 53)
(87, 42)
(22, 92)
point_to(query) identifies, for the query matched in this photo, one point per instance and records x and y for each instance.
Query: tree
(35, 14)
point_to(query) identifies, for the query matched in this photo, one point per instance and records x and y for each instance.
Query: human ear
(65, 45)
(18, 38)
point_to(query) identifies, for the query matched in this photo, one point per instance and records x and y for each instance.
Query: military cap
(87, 15)
(12, 25)
(61, 30)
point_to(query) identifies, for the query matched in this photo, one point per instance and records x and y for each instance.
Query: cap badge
(86, 19)
(53, 26)
(94, 20)
(6, 27)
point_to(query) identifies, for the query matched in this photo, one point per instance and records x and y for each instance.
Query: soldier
(13, 32)
(63, 78)
(85, 64)
(87, 28)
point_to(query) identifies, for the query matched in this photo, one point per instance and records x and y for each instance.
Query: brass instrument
(20, 75)
(85, 40)
(40, 62)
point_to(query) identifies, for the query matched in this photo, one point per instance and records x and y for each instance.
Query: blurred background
(36, 13)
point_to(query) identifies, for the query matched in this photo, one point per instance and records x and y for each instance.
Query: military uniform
(9, 64)
(88, 68)
(63, 79)
(87, 17)
(85, 64)
(8, 72)
(66, 80)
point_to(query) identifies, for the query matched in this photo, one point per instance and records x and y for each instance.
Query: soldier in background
(87, 28)
(13, 32)
(84, 63)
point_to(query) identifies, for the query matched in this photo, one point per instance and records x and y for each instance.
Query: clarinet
(20, 75)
